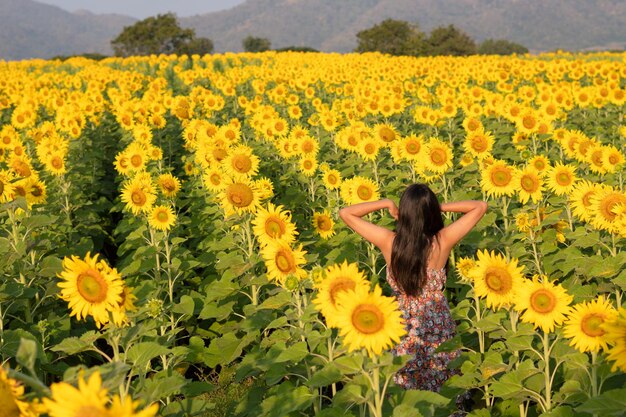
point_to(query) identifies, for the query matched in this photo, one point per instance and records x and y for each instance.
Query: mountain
(34, 30)
(331, 25)
(31, 29)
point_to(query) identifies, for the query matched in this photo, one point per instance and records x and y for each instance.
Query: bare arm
(379, 236)
(473, 211)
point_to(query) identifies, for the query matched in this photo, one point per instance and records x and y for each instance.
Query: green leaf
(562, 411)
(72, 346)
(609, 403)
(277, 301)
(27, 353)
(286, 399)
(162, 384)
(50, 266)
(185, 306)
(186, 407)
(350, 364)
(325, 376)
(227, 348)
(293, 353)
(140, 354)
(214, 311)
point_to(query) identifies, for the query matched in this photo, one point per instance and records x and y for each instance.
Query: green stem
(535, 251)
(594, 374)
(170, 280)
(34, 383)
(547, 379)
(155, 245)
(377, 409)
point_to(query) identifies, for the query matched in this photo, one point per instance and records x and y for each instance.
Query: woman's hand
(393, 209)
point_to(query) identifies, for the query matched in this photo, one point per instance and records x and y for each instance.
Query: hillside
(29, 29)
(331, 25)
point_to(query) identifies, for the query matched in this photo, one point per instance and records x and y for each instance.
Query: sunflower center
(242, 163)
(138, 197)
(163, 216)
(92, 286)
(543, 301)
(479, 143)
(438, 156)
(539, 164)
(613, 159)
(1, 187)
(473, 125)
(586, 200)
(274, 227)
(338, 285)
(284, 262)
(498, 280)
(608, 204)
(413, 148)
(529, 183)
(307, 147)
(169, 186)
(563, 179)
(364, 192)
(370, 149)
(56, 162)
(307, 164)
(136, 160)
(501, 177)
(239, 195)
(368, 319)
(215, 179)
(323, 223)
(332, 179)
(219, 154)
(591, 325)
(36, 191)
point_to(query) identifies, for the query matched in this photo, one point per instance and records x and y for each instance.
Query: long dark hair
(419, 221)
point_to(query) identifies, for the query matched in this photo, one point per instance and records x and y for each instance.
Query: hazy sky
(144, 8)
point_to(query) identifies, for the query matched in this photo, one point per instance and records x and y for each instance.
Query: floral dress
(428, 324)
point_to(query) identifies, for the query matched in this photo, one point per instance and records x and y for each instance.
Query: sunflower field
(170, 245)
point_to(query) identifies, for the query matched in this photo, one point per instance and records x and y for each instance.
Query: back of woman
(417, 254)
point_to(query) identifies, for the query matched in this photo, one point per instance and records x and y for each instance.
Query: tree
(253, 44)
(448, 40)
(158, 35)
(501, 47)
(393, 37)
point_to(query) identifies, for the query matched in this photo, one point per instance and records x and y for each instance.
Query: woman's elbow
(343, 213)
(484, 206)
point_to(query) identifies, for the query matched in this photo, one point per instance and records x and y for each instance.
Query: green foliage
(255, 44)
(500, 47)
(297, 49)
(159, 35)
(449, 40)
(393, 37)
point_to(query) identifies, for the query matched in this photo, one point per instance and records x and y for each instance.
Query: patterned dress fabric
(428, 324)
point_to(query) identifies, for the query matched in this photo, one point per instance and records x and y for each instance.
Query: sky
(144, 8)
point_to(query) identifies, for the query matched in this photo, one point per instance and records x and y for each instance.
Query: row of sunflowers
(170, 242)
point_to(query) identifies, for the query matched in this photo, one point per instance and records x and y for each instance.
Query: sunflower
(162, 218)
(90, 399)
(544, 304)
(616, 335)
(122, 164)
(478, 143)
(438, 156)
(137, 156)
(273, 225)
(584, 324)
(239, 197)
(603, 206)
(360, 190)
(498, 179)
(139, 194)
(331, 179)
(168, 184)
(240, 163)
(323, 224)
(580, 199)
(126, 304)
(308, 165)
(11, 392)
(613, 159)
(529, 185)
(282, 261)
(561, 178)
(35, 190)
(6, 188)
(91, 287)
(539, 162)
(368, 148)
(385, 133)
(308, 146)
(337, 278)
(264, 187)
(368, 320)
(472, 124)
(410, 148)
(496, 279)
(522, 222)
(214, 179)
(464, 267)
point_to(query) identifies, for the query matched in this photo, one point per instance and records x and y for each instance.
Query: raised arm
(473, 211)
(379, 236)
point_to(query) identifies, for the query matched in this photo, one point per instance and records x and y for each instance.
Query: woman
(417, 255)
